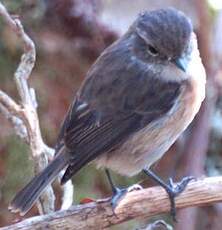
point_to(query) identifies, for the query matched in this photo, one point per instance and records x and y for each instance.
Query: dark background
(69, 35)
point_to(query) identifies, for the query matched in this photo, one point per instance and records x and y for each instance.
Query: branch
(24, 117)
(11, 111)
(144, 203)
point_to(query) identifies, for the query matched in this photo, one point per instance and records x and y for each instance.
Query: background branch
(24, 117)
(143, 203)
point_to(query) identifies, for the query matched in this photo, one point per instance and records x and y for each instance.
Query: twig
(19, 127)
(24, 116)
(11, 111)
(68, 190)
(144, 203)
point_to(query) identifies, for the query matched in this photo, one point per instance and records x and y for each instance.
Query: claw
(119, 194)
(173, 190)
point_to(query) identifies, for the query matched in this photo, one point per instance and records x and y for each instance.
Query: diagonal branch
(144, 203)
(11, 111)
(9, 103)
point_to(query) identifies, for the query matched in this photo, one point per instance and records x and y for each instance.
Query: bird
(137, 98)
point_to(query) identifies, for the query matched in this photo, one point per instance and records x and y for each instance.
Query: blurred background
(69, 35)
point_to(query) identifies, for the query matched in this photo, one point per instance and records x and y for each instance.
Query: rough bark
(144, 203)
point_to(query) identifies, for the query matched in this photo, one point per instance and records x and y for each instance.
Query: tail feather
(25, 198)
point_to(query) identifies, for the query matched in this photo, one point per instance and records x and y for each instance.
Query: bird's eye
(153, 51)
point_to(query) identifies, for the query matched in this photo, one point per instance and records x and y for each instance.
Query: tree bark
(144, 203)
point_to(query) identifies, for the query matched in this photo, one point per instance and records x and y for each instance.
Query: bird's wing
(86, 136)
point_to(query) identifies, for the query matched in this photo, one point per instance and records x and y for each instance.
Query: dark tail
(25, 198)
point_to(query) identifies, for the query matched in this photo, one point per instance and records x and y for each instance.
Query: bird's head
(163, 36)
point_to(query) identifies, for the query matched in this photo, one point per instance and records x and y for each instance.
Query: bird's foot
(119, 194)
(173, 190)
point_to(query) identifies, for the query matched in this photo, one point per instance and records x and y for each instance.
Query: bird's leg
(119, 193)
(172, 189)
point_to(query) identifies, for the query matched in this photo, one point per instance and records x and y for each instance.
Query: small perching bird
(138, 97)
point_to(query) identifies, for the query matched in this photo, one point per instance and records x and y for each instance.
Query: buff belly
(141, 150)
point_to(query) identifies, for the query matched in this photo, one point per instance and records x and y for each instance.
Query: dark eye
(153, 51)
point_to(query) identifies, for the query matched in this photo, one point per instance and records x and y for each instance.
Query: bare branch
(9, 103)
(144, 203)
(24, 116)
(68, 190)
(17, 123)
(12, 112)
